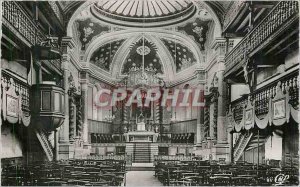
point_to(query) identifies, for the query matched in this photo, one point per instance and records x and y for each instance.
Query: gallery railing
(17, 19)
(261, 95)
(277, 17)
(173, 157)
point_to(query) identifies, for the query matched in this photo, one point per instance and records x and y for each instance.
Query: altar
(141, 134)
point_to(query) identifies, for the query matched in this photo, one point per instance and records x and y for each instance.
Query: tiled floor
(141, 178)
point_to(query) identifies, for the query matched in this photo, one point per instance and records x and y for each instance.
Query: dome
(149, 13)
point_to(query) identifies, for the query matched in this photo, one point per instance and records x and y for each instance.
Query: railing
(173, 157)
(45, 144)
(101, 127)
(232, 12)
(238, 108)
(261, 95)
(14, 16)
(277, 17)
(242, 144)
(109, 157)
(188, 126)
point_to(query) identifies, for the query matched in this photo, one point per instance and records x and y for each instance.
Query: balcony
(266, 90)
(16, 19)
(279, 18)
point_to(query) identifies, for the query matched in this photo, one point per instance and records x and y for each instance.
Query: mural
(182, 56)
(198, 30)
(104, 55)
(87, 29)
(135, 57)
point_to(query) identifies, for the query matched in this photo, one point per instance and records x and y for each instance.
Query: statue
(141, 123)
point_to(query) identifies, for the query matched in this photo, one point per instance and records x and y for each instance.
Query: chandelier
(143, 77)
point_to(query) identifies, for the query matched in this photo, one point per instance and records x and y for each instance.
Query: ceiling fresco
(103, 56)
(88, 29)
(197, 30)
(135, 57)
(134, 12)
(182, 56)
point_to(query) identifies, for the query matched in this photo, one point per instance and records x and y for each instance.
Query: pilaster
(66, 150)
(200, 74)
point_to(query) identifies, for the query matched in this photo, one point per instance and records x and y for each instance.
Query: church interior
(76, 100)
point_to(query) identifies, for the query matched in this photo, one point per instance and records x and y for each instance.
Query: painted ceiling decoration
(182, 56)
(198, 30)
(135, 12)
(88, 29)
(103, 56)
(135, 57)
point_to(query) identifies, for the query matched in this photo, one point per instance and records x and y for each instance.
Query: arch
(154, 35)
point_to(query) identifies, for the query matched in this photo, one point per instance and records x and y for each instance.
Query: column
(1, 94)
(221, 132)
(84, 97)
(64, 150)
(64, 130)
(72, 120)
(200, 73)
(220, 46)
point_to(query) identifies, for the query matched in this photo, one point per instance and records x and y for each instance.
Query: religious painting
(143, 51)
(103, 56)
(197, 30)
(87, 30)
(183, 57)
(279, 109)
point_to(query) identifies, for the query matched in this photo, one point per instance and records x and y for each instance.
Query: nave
(167, 171)
(149, 92)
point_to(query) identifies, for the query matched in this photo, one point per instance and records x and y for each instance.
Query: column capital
(220, 44)
(67, 44)
(68, 41)
(200, 75)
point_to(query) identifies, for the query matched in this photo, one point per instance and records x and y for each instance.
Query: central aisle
(141, 178)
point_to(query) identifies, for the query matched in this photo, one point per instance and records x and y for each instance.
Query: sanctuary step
(141, 153)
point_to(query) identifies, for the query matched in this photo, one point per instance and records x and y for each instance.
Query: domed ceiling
(177, 35)
(146, 12)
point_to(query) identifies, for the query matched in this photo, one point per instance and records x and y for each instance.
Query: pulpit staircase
(46, 144)
(241, 144)
(141, 153)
